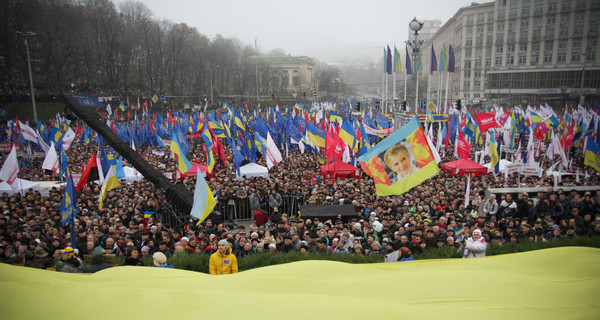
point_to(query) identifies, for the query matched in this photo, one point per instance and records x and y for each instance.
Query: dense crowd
(431, 215)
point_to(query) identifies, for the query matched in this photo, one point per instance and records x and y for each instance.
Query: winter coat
(73, 265)
(223, 264)
(490, 208)
(475, 249)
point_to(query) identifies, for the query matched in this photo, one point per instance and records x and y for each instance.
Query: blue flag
(69, 203)
(104, 162)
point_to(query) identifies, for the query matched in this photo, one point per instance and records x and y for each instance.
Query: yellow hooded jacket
(223, 264)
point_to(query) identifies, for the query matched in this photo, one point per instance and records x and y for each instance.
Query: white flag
(43, 144)
(51, 160)
(28, 132)
(68, 139)
(10, 169)
(109, 110)
(273, 154)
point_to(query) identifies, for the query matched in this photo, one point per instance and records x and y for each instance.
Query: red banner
(6, 147)
(463, 148)
(486, 120)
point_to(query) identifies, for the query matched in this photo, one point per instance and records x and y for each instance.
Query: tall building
(521, 52)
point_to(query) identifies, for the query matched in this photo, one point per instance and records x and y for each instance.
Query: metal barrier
(233, 209)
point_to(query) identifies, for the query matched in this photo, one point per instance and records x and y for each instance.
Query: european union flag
(69, 203)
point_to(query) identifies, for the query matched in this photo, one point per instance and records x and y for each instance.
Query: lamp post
(416, 25)
(581, 96)
(29, 34)
(256, 65)
(212, 69)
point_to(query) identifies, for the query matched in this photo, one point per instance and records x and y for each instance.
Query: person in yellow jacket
(223, 261)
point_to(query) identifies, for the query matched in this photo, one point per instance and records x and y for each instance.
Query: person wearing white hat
(475, 246)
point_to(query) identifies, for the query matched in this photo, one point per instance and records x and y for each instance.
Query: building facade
(522, 52)
(282, 74)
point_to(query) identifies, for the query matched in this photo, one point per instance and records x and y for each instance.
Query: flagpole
(394, 85)
(404, 87)
(417, 95)
(446, 93)
(439, 95)
(382, 87)
(429, 85)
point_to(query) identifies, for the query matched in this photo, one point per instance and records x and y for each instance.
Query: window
(525, 8)
(594, 22)
(469, 32)
(580, 4)
(539, 7)
(524, 30)
(488, 57)
(566, 5)
(552, 6)
(523, 53)
(481, 18)
(512, 31)
(510, 55)
(561, 56)
(499, 54)
(537, 29)
(590, 52)
(501, 13)
(469, 20)
(578, 27)
(468, 43)
(550, 25)
(500, 33)
(548, 51)
(490, 17)
(477, 81)
(535, 54)
(576, 50)
(565, 21)
(478, 57)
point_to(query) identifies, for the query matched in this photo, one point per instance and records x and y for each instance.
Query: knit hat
(224, 243)
(476, 232)
(159, 259)
(145, 249)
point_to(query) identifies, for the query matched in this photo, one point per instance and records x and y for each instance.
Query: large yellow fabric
(560, 283)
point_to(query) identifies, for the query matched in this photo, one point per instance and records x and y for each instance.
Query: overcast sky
(301, 27)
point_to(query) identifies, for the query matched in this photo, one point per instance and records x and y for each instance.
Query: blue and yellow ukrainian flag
(348, 134)
(183, 162)
(592, 155)
(204, 201)
(315, 134)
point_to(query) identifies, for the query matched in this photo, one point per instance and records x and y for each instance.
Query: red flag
(567, 139)
(221, 150)
(128, 115)
(152, 126)
(486, 120)
(171, 119)
(114, 128)
(90, 173)
(464, 148)
(334, 147)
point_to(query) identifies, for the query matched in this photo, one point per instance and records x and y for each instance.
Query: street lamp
(581, 96)
(416, 25)
(29, 34)
(212, 102)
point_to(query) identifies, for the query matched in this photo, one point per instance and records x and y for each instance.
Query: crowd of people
(429, 216)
